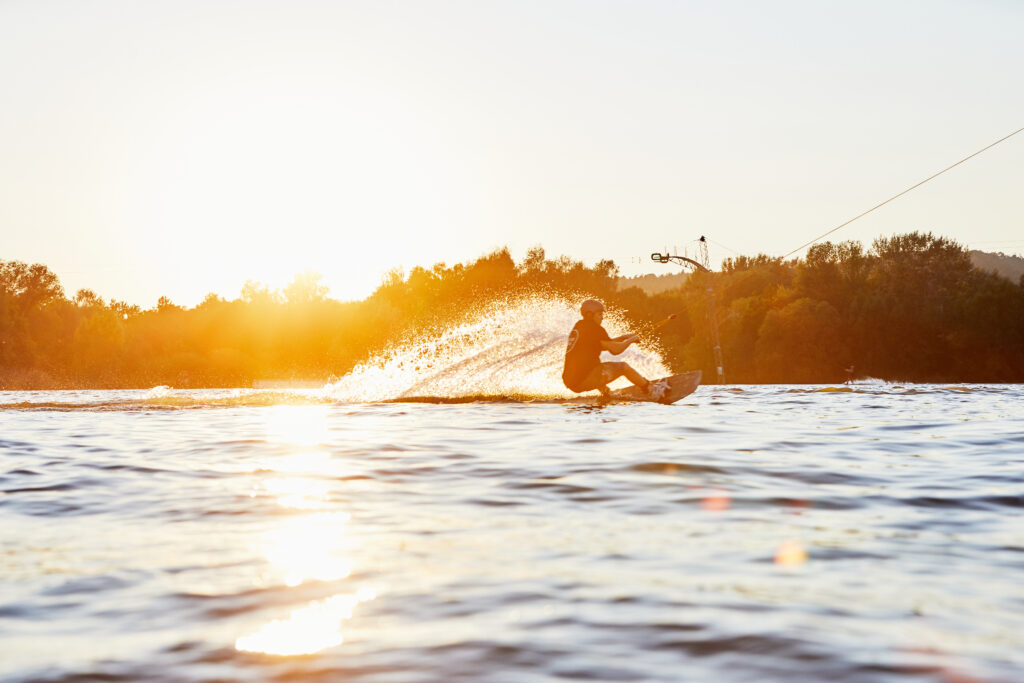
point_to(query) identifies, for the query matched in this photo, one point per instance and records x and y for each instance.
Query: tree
(124, 310)
(533, 264)
(911, 308)
(907, 307)
(258, 293)
(165, 305)
(86, 298)
(211, 299)
(832, 272)
(305, 288)
(803, 342)
(32, 286)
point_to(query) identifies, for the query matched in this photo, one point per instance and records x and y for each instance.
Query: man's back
(582, 351)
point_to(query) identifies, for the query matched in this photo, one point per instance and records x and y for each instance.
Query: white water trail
(513, 347)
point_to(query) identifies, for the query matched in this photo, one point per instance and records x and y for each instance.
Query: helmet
(591, 306)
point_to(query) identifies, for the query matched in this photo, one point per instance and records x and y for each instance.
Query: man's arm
(619, 344)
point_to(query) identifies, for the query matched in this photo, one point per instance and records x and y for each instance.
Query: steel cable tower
(702, 264)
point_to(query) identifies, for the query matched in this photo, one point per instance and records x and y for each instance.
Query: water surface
(747, 533)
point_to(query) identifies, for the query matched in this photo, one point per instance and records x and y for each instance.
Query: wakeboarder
(584, 370)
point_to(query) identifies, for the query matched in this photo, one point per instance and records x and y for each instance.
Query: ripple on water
(857, 535)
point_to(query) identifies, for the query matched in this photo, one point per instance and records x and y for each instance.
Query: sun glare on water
(307, 630)
(297, 425)
(312, 546)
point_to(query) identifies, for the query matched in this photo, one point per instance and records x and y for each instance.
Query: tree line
(910, 308)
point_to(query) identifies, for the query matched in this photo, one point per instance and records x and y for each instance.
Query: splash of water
(512, 347)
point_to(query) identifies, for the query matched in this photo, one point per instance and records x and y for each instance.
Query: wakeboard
(678, 386)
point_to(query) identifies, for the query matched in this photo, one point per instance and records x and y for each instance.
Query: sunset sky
(154, 148)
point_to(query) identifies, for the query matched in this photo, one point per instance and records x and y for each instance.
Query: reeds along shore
(910, 308)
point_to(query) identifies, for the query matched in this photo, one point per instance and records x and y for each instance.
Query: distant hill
(653, 284)
(1010, 267)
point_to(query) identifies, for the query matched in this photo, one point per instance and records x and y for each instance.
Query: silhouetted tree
(911, 308)
(305, 289)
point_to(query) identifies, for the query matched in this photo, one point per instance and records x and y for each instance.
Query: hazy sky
(154, 148)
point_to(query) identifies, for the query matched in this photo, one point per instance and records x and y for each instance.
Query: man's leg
(634, 376)
(604, 373)
(598, 378)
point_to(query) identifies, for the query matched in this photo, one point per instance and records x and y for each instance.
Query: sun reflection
(300, 463)
(717, 500)
(790, 553)
(310, 548)
(311, 463)
(299, 425)
(298, 492)
(307, 630)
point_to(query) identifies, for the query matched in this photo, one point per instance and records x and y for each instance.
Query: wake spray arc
(702, 264)
(511, 347)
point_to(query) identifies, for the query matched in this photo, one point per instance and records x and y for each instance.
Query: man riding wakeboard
(584, 370)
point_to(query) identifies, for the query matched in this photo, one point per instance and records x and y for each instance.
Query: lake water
(747, 533)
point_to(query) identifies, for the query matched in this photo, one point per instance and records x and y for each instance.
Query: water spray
(508, 347)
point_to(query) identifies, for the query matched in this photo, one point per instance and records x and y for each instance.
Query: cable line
(724, 247)
(896, 196)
